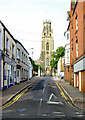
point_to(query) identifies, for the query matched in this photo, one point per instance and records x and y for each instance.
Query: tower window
(47, 62)
(47, 46)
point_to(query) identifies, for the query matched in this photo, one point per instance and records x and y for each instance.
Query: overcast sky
(24, 19)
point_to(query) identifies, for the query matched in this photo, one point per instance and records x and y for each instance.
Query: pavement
(73, 93)
(12, 91)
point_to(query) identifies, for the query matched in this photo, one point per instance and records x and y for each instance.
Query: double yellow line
(63, 95)
(17, 97)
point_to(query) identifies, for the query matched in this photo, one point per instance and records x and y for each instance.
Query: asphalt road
(45, 100)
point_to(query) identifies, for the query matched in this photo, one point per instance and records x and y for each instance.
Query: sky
(24, 19)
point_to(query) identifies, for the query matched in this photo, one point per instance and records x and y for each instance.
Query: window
(12, 72)
(77, 48)
(13, 51)
(47, 62)
(22, 56)
(68, 56)
(0, 40)
(76, 23)
(47, 52)
(26, 59)
(18, 54)
(47, 46)
(10, 75)
(7, 46)
(67, 36)
(17, 73)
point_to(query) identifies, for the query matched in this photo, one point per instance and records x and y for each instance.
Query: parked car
(61, 74)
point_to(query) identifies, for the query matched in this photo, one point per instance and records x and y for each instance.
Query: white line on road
(52, 96)
(40, 102)
(57, 112)
(58, 103)
(44, 87)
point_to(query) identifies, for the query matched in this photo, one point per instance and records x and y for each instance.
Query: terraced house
(77, 44)
(22, 62)
(14, 60)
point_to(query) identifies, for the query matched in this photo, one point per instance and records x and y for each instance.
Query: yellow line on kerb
(16, 98)
(61, 92)
(63, 95)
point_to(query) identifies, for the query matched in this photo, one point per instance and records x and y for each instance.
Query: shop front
(9, 72)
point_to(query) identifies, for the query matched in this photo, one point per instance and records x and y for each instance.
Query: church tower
(47, 47)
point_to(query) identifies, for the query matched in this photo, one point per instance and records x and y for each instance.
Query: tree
(35, 67)
(60, 52)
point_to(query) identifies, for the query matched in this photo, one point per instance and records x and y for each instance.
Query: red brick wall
(80, 36)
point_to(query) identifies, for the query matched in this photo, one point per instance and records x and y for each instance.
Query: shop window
(10, 82)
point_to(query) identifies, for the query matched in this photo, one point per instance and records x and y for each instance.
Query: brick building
(77, 44)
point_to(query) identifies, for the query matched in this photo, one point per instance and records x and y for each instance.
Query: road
(44, 100)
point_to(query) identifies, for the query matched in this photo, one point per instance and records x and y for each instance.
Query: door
(77, 80)
(18, 76)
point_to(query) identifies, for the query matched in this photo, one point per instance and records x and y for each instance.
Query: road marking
(52, 96)
(57, 103)
(16, 98)
(57, 112)
(44, 115)
(44, 87)
(40, 102)
(63, 95)
(60, 115)
(78, 113)
(21, 114)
